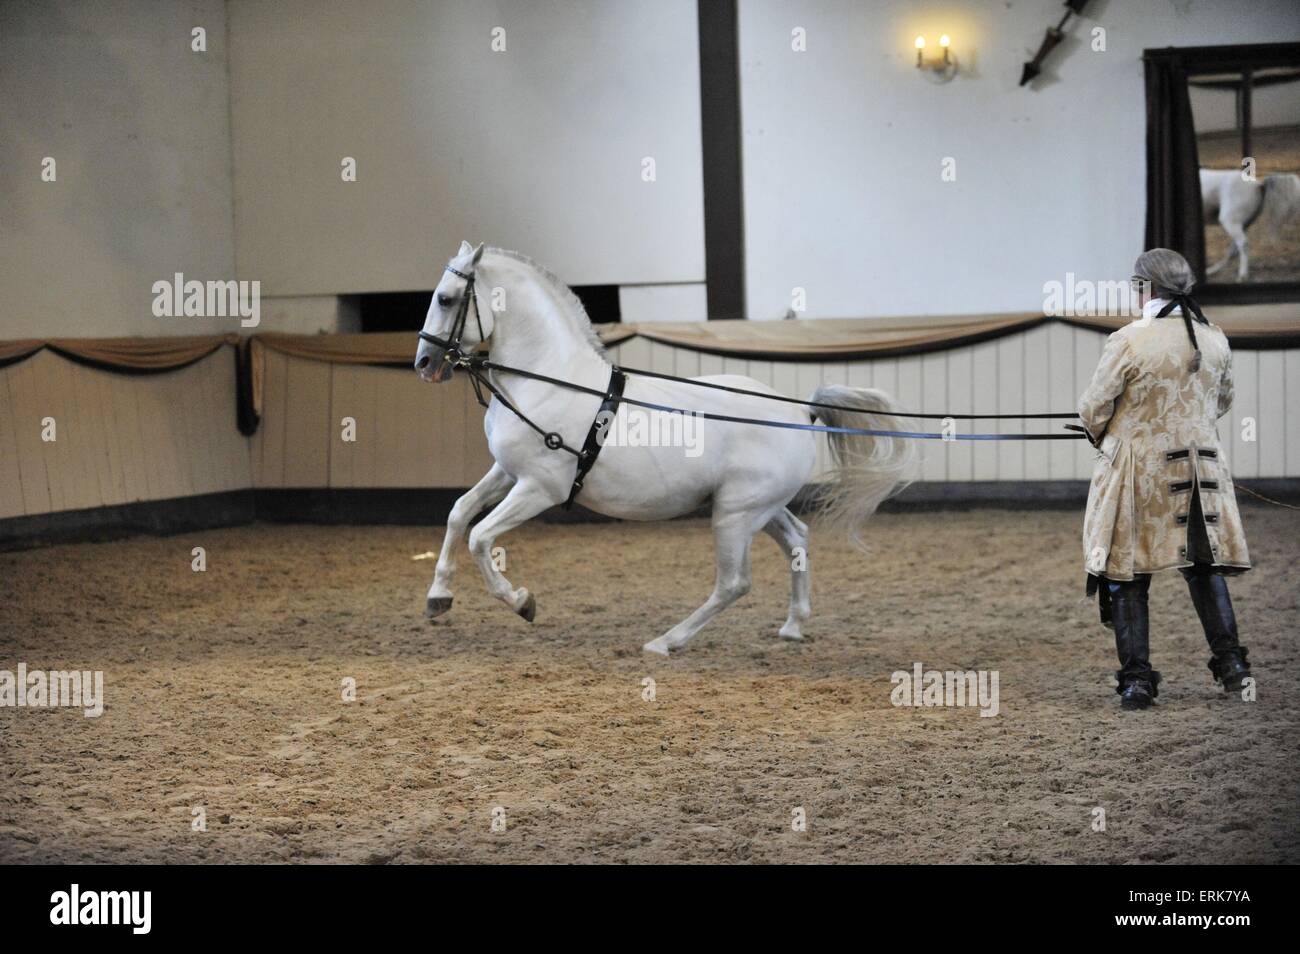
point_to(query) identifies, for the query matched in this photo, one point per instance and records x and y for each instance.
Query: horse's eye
(444, 301)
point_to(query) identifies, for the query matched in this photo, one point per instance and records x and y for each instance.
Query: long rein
(475, 365)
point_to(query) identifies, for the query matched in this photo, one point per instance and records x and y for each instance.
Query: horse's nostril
(422, 362)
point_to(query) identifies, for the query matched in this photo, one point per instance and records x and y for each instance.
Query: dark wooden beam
(1206, 59)
(724, 213)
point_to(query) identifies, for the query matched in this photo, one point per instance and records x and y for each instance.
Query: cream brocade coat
(1160, 446)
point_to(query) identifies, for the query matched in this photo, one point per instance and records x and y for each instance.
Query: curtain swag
(827, 339)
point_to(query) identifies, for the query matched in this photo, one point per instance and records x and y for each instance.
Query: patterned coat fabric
(1155, 423)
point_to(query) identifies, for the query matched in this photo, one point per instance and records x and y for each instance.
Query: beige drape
(840, 339)
(133, 354)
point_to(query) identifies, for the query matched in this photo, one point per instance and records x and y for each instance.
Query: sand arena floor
(223, 691)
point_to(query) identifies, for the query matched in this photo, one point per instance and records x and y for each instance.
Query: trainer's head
(1164, 273)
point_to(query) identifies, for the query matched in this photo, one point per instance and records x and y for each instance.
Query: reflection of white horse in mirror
(748, 473)
(1238, 202)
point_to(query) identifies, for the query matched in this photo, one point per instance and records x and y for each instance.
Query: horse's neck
(537, 332)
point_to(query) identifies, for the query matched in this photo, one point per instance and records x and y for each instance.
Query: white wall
(537, 148)
(843, 145)
(639, 304)
(138, 127)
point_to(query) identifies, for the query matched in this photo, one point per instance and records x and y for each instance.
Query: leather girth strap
(596, 436)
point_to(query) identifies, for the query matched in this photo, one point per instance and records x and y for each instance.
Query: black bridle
(452, 352)
(477, 367)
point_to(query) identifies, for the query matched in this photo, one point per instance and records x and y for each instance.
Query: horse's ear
(465, 249)
(478, 253)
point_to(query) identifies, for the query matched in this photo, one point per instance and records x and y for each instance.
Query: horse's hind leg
(791, 535)
(488, 491)
(731, 537)
(526, 500)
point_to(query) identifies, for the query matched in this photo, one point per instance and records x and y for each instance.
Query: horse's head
(453, 319)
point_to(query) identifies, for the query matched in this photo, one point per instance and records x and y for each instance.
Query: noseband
(452, 352)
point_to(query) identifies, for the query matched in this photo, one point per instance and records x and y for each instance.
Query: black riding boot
(1138, 682)
(1214, 607)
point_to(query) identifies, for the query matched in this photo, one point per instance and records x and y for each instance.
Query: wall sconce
(940, 69)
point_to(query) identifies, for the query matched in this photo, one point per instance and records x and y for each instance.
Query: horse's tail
(1281, 200)
(867, 468)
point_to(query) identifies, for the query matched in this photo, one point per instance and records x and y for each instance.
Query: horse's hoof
(435, 606)
(657, 646)
(529, 610)
(792, 633)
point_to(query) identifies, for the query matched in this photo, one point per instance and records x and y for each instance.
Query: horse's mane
(581, 320)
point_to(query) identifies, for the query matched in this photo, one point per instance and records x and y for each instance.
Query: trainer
(1161, 494)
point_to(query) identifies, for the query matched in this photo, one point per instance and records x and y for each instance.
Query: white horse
(1238, 202)
(749, 473)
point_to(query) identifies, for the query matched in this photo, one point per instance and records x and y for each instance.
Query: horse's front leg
(1219, 265)
(1237, 232)
(489, 490)
(526, 500)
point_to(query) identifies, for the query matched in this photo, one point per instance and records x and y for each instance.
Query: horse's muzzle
(433, 366)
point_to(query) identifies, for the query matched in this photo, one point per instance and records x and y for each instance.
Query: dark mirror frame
(1174, 219)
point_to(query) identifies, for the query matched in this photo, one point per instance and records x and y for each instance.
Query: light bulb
(920, 43)
(944, 41)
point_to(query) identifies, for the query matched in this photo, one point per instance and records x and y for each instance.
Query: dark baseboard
(990, 494)
(1052, 494)
(429, 507)
(1279, 490)
(96, 524)
(356, 505)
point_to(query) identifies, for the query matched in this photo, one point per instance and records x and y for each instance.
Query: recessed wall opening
(405, 311)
